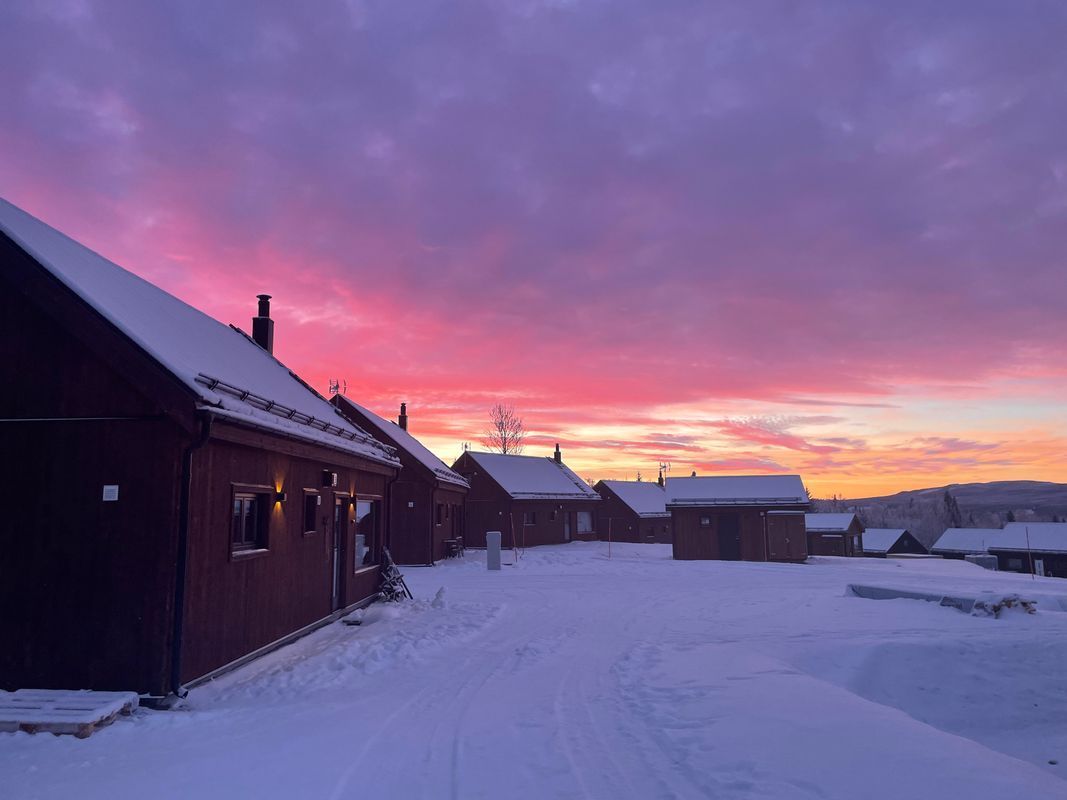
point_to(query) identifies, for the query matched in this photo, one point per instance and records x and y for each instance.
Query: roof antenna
(338, 386)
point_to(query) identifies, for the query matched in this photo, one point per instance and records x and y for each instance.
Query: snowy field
(569, 675)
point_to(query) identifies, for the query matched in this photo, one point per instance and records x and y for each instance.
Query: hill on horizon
(927, 512)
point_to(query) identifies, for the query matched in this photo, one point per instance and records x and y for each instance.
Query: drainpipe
(182, 566)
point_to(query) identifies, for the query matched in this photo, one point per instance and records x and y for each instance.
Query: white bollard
(492, 550)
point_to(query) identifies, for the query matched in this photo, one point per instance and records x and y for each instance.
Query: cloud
(592, 209)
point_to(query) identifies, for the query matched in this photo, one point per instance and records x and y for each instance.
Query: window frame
(578, 524)
(705, 521)
(355, 500)
(309, 493)
(529, 519)
(265, 497)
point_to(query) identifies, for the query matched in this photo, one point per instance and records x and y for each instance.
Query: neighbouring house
(1039, 548)
(958, 543)
(738, 518)
(180, 498)
(633, 511)
(882, 542)
(531, 500)
(834, 534)
(425, 501)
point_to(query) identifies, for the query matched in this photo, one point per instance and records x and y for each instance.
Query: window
(248, 528)
(529, 517)
(555, 514)
(585, 521)
(368, 532)
(440, 513)
(1015, 564)
(311, 511)
(705, 522)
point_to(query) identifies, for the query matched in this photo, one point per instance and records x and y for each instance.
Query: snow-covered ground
(573, 676)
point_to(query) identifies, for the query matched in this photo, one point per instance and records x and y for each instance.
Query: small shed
(633, 511)
(738, 517)
(531, 500)
(958, 543)
(1039, 548)
(882, 542)
(425, 501)
(834, 534)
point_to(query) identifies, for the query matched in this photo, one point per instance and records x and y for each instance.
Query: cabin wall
(410, 520)
(86, 600)
(845, 543)
(908, 545)
(1052, 565)
(737, 533)
(452, 502)
(239, 602)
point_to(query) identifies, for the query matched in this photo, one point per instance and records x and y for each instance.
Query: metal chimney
(263, 325)
(402, 420)
(558, 455)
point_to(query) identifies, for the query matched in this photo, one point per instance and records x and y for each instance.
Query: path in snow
(573, 676)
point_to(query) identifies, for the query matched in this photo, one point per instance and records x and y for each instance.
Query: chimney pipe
(263, 325)
(402, 420)
(558, 455)
(660, 479)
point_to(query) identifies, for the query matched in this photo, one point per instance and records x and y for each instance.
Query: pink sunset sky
(820, 237)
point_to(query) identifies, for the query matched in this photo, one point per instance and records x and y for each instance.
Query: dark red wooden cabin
(632, 511)
(179, 498)
(834, 534)
(1039, 548)
(882, 542)
(531, 500)
(426, 501)
(738, 518)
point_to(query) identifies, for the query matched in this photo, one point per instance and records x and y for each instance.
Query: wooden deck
(61, 711)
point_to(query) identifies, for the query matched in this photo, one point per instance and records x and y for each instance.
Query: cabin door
(729, 534)
(340, 527)
(1039, 566)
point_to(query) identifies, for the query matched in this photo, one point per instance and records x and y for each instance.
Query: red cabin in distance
(531, 500)
(834, 534)
(183, 499)
(738, 518)
(425, 501)
(633, 511)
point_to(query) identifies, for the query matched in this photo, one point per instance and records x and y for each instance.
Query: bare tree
(505, 433)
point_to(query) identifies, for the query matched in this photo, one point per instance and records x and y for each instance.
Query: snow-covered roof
(829, 523)
(880, 540)
(534, 477)
(966, 540)
(644, 498)
(1043, 537)
(405, 441)
(736, 490)
(232, 376)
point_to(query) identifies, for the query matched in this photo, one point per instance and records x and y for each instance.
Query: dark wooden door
(729, 534)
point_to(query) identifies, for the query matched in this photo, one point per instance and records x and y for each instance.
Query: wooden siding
(738, 533)
(90, 602)
(237, 603)
(822, 543)
(622, 524)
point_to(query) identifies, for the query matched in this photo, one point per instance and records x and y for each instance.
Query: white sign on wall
(111, 493)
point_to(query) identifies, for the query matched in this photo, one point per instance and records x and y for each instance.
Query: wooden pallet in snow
(62, 711)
